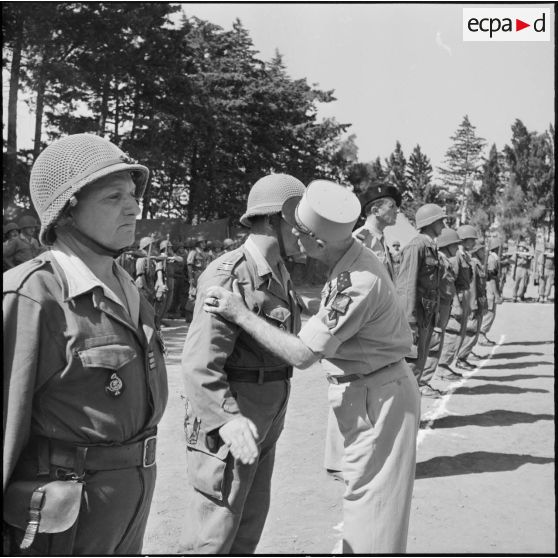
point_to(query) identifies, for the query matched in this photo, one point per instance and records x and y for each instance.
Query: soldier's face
(437, 227)
(468, 243)
(107, 210)
(13, 234)
(387, 212)
(452, 249)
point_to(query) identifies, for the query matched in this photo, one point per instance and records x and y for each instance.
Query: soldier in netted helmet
(237, 391)
(85, 382)
(24, 246)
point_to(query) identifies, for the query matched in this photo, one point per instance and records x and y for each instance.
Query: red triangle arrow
(519, 25)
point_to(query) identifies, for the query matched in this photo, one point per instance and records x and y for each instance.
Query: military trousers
(233, 523)
(436, 343)
(424, 334)
(520, 282)
(488, 317)
(333, 455)
(472, 335)
(546, 283)
(456, 328)
(378, 416)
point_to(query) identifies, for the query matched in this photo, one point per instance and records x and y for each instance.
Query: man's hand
(241, 435)
(224, 303)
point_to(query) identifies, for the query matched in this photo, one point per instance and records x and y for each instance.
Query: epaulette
(229, 261)
(14, 278)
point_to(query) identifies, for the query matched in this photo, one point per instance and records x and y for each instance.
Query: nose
(131, 205)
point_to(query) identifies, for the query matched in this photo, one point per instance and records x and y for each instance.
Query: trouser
(169, 296)
(520, 282)
(333, 458)
(472, 335)
(424, 334)
(436, 344)
(231, 520)
(488, 318)
(456, 328)
(545, 283)
(114, 511)
(378, 416)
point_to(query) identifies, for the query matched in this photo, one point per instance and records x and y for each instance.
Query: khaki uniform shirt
(378, 245)
(360, 326)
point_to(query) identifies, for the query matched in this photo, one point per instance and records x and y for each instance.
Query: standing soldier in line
(456, 328)
(25, 246)
(506, 260)
(418, 286)
(396, 256)
(477, 306)
(196, 265)
(493, 296)
(380, 203)
(522, 265)
(169, 268)
(150, 278)
(448, 245)
(545, 270)
(361, 335)
(209, 252)
(237, 390)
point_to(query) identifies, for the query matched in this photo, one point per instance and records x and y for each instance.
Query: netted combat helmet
(428, 214)
(447, 237)
(10, 227)
(69, 164)
(467, 231)
(27, 222)
(268, 195)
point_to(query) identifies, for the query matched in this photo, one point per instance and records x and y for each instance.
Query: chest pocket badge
(110, 358)
(278, 315)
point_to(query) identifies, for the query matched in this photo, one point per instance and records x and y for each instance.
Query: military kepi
(326, 211)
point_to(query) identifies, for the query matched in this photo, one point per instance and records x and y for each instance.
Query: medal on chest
(114, 386)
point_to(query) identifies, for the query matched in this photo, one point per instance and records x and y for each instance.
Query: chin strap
(95, 246)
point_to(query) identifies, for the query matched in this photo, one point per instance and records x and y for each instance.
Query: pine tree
(420, 189)
(396, 167)
(462, 168)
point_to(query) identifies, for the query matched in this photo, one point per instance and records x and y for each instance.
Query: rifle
(514, 265)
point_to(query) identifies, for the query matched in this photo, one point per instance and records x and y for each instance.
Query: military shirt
(21, 249)
(360, 326)
(447, 279)
(213, 344)
(377, 243)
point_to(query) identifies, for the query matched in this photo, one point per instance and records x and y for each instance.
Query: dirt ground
(485, 465)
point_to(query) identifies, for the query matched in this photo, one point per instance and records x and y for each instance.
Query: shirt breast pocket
(109, 357)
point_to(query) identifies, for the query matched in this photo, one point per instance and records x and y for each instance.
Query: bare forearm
(285, 345)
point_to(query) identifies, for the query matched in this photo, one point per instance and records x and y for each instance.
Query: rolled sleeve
(318, 337)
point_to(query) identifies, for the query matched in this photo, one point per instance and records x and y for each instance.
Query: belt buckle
(149, 451)
(333, 379)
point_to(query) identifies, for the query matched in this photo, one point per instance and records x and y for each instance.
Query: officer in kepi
(362, 335)
(236, 389)
(85, 383)
(418, 286)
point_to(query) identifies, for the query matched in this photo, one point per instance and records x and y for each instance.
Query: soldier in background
(448, 245)
(545, 271)
(196, 264)
(506, 260)
(170, 265)
(493, 295)
(396, 256)
(418, 286)
(25, 246)
(228, 244)
(522, 265)
(180, 291)
(457, 324)
(11, 232)
(477, 306)
(150, 278)
(380, 203)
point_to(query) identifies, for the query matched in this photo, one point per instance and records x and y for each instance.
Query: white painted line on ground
(441, 407)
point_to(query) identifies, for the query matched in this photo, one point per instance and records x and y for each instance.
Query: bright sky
(399, 71)
(402, 72)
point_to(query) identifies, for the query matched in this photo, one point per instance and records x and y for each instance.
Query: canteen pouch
(38, 507)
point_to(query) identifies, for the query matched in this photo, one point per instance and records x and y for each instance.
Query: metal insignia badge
(114, 386)
(341, 303)
(343, 281)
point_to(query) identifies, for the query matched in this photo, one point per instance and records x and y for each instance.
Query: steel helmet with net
(268, 195)
(69, 164)
(428, 214)
(27, 222)
(467, 231)
(447, 237)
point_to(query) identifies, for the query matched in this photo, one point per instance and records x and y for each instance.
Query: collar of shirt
(82, 280)
(262, 265)
(347, 259)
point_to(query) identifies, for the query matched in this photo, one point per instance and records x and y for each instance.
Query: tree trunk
(104, 106)
(11, 148)
(116, 113)
(41, 85)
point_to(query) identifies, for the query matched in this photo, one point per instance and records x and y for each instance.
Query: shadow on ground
(509, 378)
(521, 343)
(514, 365)
(516, 354)
(496, 417)
(488, 389)
(475, 462)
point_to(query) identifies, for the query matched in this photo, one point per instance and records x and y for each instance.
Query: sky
(400, 72)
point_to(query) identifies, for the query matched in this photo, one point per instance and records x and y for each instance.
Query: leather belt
(346, 378)
(259, 375)
(105, 458)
